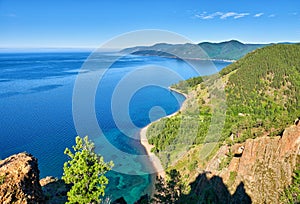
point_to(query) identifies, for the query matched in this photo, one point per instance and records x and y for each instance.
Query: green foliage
(185, 86)
(230, 50)
(232, 177)
(263, 93)
(193, 165)
(292, 193)
(168, 191)
(225, 161)
(262, 98)
(2, 179)
(164, 132)
(85, 171)
(175, 134)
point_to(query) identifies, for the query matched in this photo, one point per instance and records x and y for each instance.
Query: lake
(41, 115)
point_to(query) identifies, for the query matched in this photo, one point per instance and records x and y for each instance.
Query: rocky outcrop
(19, 180)
(263, 165)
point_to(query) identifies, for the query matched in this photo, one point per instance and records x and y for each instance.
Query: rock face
(263, 165)
(19, 180)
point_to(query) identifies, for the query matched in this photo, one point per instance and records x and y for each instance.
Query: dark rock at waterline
(55, 190)
(119, 201)
(143, 200)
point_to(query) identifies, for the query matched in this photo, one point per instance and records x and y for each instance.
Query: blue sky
(89, 23)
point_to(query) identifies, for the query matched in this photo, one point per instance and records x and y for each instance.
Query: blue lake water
(36, 98)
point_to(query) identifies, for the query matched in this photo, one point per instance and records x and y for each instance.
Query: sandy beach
(153, 158)
(144, 141)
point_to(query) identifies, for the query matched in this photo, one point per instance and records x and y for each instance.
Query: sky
(90, 23)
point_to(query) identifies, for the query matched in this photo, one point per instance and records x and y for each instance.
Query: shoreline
(156, 163)
(178, 92)
(190, 58)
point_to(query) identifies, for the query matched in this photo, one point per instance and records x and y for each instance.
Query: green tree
(291, 194)
(85, 171)
(168, 191)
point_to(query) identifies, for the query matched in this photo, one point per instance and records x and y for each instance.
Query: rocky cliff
(20, 183)
(264, 166)
(255, 171)
(19, 180)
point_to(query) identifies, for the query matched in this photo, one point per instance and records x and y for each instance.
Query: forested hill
(266, 89)
(262, 99)
(229, 50)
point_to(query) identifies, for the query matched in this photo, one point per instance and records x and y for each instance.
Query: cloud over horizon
(221, 15)
(258, 15)
(224, 15)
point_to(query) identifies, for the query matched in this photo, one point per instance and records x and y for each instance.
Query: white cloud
(258, 15)
(234, 15)
(229, 14)
(272, 15)
(221, 15)
(240, 15)
(206, 16)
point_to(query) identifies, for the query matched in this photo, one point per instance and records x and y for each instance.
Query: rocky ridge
(263, 165)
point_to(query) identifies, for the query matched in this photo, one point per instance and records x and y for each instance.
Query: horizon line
(80, 48)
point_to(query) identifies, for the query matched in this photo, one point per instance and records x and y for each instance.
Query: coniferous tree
(85, 171)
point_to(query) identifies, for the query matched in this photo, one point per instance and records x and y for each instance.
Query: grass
(225, 161)
(232, 177)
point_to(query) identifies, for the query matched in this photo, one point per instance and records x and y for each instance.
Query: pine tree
(85, 171)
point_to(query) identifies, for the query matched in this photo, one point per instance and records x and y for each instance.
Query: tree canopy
(86, 172)
(262, 98)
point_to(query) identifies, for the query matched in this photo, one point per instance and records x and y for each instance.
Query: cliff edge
(263, 165)
(19, 180)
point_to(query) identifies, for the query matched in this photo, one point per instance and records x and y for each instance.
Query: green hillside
(232, 50)
(266, 89)
(262, 98)
(229, 50)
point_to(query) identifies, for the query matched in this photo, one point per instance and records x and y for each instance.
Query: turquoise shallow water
(36, 97)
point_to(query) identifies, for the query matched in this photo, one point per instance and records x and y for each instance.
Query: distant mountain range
(229, 50)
